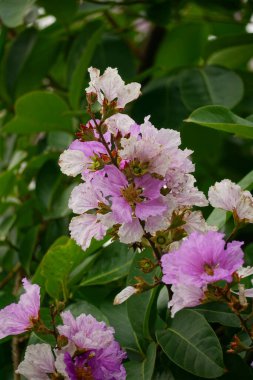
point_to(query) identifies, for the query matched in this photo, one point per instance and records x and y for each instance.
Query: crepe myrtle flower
(141, 198)
(230, 196)
(110, 87)
(185, 296)
(17, 318)
(201, 259)
(98, 355)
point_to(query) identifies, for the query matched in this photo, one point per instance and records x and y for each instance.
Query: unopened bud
(62, 341)
(91, 97)
(242, 297)
(146, 265)
(124, 295)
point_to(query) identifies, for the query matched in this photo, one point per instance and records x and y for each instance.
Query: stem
(15, 356)
(98, 128)
(233, 233)
(244, 325)
(10, 275)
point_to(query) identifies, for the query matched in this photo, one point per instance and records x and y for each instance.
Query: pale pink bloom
(229, 196)
(38, 363)
(194, 221)
(119, 123)
(85, 227)
(85, 197)
(124, 295)
(85, 331)
(185, 296)
(17, 318)
(131, 232)
(110, 86)
(157, 223)
(72, 162)
(187, 194)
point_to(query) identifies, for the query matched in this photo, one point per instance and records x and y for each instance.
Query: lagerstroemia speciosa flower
(17, 318)
(136, 179)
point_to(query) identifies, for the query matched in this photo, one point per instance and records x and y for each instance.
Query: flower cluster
(86, 348)
(136, 181)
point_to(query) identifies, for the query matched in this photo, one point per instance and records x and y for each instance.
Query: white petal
(128, 93)
(72, 162)
(83, 198)
(124, 295)
(131, 232)
(119, 123)
(224, 195)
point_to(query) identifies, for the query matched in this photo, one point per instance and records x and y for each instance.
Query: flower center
(209, 269)
(132, 194)
(84, 373)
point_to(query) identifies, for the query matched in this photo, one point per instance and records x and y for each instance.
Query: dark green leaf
(12, 12)
(191, 343)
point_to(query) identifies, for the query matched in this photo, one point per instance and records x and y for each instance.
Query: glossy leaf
(210, 85)
(12, 12)
(113, 263)
(191, 343)
(222, 119)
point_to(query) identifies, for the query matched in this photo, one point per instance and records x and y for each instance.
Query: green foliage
(194, 61)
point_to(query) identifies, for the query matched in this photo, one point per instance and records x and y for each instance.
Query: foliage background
(186, 54)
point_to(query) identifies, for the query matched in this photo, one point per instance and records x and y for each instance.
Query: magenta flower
(141, 198)
(102, 356)
(201, 259)
(20, 317)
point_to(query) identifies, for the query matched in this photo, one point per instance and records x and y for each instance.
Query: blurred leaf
(64, 10)
(230, 51)
(27, 247)
(210, 85)
(182, 46)
(219, 313)
(76, 84)
(56, 265)
(145, 369)
(7, 181)
(5, 226)
(113, 263)
(142, 307)
(12, 12)
(38, 112)
(222, 119)
(118, 318)
(85, 307)
(191, 343)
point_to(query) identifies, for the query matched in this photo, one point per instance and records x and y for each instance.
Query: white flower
(111, 87)
(72, 162)
(245, 271)
(119, 123)
(229, 196)
(38, 363)
(194, 221)
(185, 296)
(124, 295)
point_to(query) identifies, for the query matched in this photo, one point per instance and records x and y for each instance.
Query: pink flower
(119, 123)
(110, 86)
(142, 197)
(201, 259)
(19, 317)
(229, 196)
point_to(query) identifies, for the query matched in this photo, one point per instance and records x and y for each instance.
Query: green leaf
(76, 84)
(64, 10)
(85, 307)
(182, 46)
(142, 307)
(230, 51)
(56, 265)
(27, 247)
(5, 225)
(210, 85)
(219, 313)
(7, 182)
(222, 119)
(113, 263)
(39, 112)
(12, 12)
(145, 369)
(191, 343)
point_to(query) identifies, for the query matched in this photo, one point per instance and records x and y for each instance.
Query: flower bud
(124, 295)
